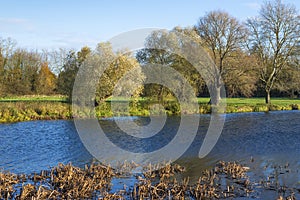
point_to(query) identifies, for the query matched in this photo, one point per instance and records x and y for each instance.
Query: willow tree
(101, 73)
(274, 36)
(116, 65)
(222, 35)
(163, 48)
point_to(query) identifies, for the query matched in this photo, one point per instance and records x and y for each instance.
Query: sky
(52, 24)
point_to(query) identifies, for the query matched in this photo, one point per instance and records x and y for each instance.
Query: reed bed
(61, 182)
(227, 180)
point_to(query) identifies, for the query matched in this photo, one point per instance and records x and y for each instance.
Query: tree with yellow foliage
(46, 80)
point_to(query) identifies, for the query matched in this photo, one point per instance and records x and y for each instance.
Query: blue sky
(49, 24)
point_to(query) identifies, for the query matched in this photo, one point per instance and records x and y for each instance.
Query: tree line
(257, 57)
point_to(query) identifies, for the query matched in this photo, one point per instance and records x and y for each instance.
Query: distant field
(230, 101)
(56, 98)
(254, 101)
(202, 100)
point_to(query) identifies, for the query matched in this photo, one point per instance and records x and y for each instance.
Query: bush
(172, 107)
(273, 107)
(205, 109)
(295, 106)
(261, 108)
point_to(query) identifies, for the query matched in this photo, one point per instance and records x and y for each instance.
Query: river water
(261, 141)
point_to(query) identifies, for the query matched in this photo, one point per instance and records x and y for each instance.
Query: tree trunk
(215, 96)
(268, 97)
(160, 93)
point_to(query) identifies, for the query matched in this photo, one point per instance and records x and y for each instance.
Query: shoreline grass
(33, 110)
(30, 98)
(25, 108)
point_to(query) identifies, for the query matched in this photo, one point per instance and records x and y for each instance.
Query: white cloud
(11, 24)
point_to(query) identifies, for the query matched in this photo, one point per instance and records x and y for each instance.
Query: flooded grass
(225, 180)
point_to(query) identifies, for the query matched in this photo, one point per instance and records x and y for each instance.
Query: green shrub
(295, 106)
(171, 107)
(204, 109)
(261, 108)
(273, 107)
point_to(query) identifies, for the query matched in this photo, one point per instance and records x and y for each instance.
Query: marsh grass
(24, 111)
(95, 182)
(226, 180)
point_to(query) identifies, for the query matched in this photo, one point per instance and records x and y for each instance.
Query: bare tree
(274, 37)
(57, 59)
(222, 35)
(7, 47)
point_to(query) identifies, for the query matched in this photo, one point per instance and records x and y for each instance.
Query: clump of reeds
(272, 181)
(160, 183)
(7, 182)
(66, 182)
(225, 180)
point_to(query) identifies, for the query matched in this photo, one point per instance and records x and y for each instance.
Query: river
(259, 140)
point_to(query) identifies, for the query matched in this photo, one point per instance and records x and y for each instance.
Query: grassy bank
(33, 110)
(13, 109)
(258, 104)
(234, 105)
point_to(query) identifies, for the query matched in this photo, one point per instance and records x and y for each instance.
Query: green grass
(254, 101)
(120, 99)
(259, 105)
(234, 105)
(258, 101)
(57, 98)
(202, 100)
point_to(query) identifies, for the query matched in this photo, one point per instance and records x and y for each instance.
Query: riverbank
(26, 111)
(52, 108)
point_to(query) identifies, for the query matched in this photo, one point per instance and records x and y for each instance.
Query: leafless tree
(57, 59)
(222, 35)
(7, 47)
(274, 36)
